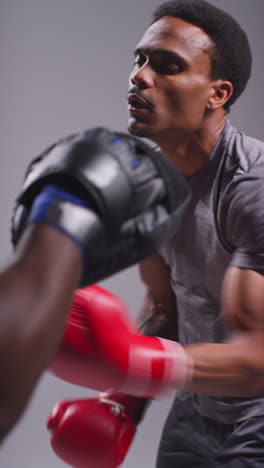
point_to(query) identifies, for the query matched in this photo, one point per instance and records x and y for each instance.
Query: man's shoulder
(244, 151)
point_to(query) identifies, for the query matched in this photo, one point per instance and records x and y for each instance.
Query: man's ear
(221, 92)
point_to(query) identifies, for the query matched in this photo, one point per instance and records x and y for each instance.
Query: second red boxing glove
(95, 432)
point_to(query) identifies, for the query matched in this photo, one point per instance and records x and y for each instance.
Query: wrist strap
(70, 215)
(45, 200)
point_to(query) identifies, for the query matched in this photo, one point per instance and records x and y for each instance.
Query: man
(191, 65)
(205, 288)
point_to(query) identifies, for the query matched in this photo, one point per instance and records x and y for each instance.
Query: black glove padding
(138, 197)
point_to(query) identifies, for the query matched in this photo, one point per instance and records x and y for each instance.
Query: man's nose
(142, 77)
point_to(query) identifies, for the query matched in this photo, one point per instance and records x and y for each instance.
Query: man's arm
(158, 315)
(235, 368)
(34, 303)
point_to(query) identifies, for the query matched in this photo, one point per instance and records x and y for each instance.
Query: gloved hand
(95, 432)
(79, 360)
(116, 198)
(102, 348)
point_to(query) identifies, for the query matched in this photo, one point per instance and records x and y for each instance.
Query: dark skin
(181, 109)
(185, 116)
(35, 300)
(172, 70)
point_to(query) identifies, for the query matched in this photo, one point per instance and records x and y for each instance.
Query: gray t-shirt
(223, 226)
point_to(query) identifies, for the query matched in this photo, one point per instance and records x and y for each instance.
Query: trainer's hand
(116, 198)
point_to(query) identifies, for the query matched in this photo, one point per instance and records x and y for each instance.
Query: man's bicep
(158, 314)
(243, 299)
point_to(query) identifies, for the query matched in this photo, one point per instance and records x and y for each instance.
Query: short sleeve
(243, 214)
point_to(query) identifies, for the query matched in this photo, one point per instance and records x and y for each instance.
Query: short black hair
(231, 55)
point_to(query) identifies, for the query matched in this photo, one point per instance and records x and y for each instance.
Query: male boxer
(68, 213)
(205, 288)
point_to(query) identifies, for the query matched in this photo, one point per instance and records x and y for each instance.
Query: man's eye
(173, 68)
(168, 69)
(139, 60)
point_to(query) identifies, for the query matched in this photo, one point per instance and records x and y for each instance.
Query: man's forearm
(159, 318)
(35, 295)
(230, 369)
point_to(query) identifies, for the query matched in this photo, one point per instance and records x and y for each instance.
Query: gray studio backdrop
(65, 67)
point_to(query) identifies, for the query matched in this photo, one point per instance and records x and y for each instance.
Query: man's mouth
(138, 102)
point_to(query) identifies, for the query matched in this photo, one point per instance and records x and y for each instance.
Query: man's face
(170, 83)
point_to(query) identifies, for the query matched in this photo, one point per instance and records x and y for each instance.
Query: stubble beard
(135, 129)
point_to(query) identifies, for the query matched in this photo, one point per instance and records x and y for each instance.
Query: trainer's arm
(158, 315)
(235, 368)
(36, 291)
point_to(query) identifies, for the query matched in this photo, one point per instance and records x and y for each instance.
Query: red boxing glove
(102, 349)
(79, 360)
(96, 432)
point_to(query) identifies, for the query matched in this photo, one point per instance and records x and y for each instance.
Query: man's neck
(190, 152)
